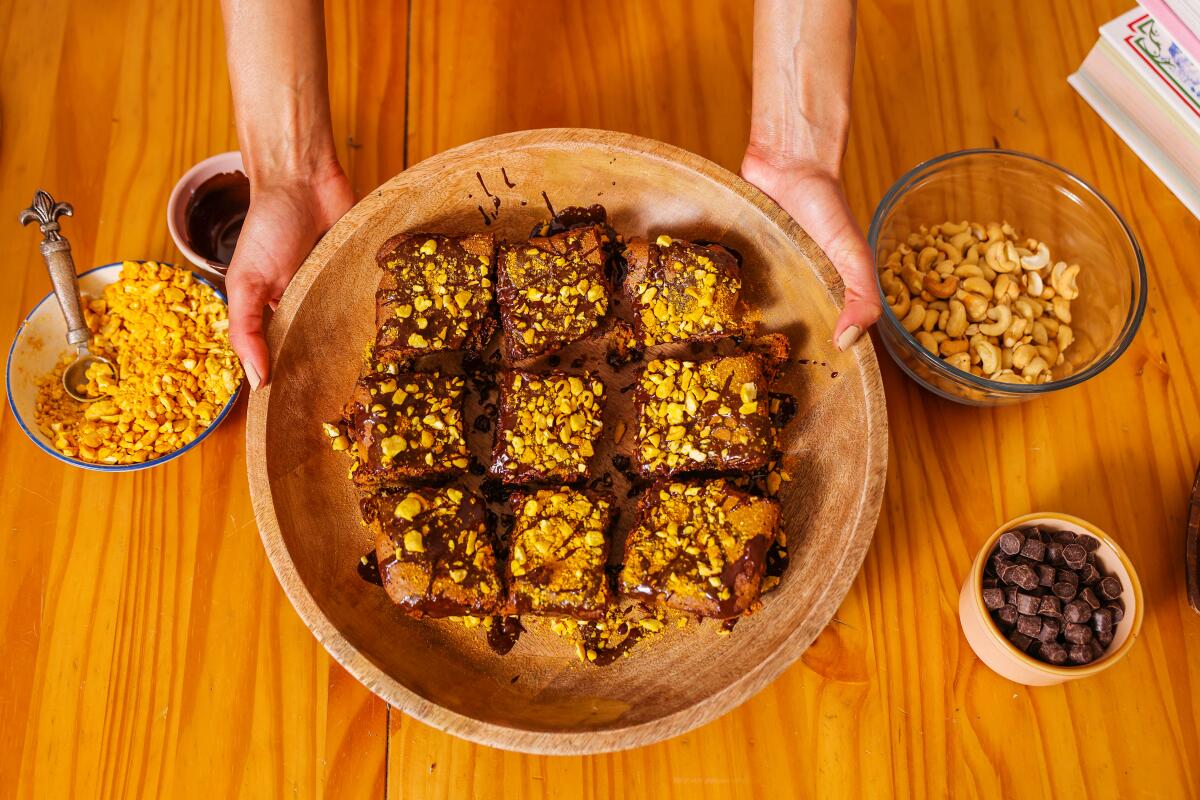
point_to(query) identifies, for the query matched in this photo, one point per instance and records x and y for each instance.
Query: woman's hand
(813, 196)
(286, 218)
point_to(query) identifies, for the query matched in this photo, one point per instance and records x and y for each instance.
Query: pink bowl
(182, 193)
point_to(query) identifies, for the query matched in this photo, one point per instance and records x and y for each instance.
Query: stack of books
(1143, 78)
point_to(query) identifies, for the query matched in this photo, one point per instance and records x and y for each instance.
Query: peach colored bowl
(177, 204)
(1001, 655)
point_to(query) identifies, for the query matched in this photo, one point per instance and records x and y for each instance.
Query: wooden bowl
(539, 698)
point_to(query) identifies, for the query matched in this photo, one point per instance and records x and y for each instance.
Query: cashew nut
(962, 240)
(1003, 318)
(952, 252)
(954, 228)
(989, 355)
(1037, 365)
(952, 346)
(960, 361)
(1023, 355)
(927, 341)
(926, 258)
(1063, 281)
(901, 304)
(891, 284)
(916, 315)
(943, 288)
(1049, 352)
(1015, 331)
(1007, 376)
(1051, 325)
(944, 268)
(978, 286)
(956, 325)
(1038, 260)
(1064, 338)
(912, 278)
(1027, 309)
(968, 271)
(976, 306)
(1062, 309)
(1033, 284)
(1038, 332)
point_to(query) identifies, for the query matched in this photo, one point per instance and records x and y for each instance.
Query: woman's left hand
(813, 196)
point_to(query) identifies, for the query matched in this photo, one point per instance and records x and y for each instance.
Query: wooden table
(145, 647)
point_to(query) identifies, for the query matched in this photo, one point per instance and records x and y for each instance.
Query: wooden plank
(891, 699)
(148, 648)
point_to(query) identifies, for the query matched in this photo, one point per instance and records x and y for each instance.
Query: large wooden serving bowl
(539, 698)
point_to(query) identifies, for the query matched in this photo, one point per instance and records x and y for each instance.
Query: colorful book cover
(1181, 20)
(1167, 68)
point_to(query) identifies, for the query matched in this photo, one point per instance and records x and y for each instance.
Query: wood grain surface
(147, 648)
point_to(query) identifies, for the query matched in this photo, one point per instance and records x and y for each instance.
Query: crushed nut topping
(168, 334)
(559, 548)
(435, 294)
(435, 554)
(685, 291)
(700, 548)
(702, 415)
(405, 425)
(548, 425)
(552, 291)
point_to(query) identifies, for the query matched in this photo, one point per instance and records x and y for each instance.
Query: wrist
(761, 157)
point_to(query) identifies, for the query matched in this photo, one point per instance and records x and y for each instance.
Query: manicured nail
(252, 376)
(848, 337)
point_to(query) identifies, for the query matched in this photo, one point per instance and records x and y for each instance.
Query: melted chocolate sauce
(777, 560)
(368, 569)
(788, 406)
(214, 216)
(504, 634)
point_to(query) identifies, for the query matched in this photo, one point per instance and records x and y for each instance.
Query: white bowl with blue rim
(35, 351)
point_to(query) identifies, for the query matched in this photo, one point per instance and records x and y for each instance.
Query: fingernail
(848, 337)
(252, 376)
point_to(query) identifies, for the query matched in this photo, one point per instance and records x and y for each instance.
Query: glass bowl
(1041, 201)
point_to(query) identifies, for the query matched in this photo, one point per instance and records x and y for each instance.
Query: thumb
(247, 296)
(851, 256)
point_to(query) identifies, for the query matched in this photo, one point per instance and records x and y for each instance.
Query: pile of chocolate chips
(1047, 594)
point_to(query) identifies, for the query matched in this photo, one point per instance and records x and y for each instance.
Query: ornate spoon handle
(56, 250)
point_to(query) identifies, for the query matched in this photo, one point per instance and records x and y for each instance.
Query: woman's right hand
(288, 214)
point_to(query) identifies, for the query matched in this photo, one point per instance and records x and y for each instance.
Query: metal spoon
(57, 252)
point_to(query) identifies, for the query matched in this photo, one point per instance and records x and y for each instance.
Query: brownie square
(405, 426)
(558, 549)
(708, 415)
(682, 291)
(552, 291)
(700, 548)
(435, 553)
(547, 427)
(435, 295)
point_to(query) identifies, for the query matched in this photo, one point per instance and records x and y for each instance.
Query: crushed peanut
(549, 424)
(168, 335)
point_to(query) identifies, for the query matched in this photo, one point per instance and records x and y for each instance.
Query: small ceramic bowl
(35, 350)
(182, 193)
(1001, 655)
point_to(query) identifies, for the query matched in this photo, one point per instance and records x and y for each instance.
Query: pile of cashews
(982, 302)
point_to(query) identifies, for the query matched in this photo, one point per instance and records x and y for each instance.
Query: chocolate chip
(1054, 554)
(1067, 576)
(1054, 652)
(1089, 543)
(1063, 537)
(1088, 573)
(1077, 634)
(1110, 587)
(1104, 638)
(1024, 576)
(993, 598)
(999, 563)
(1089, 597)
(1037, 533)
(1097, 650)
(1051, 628)
(1021, 640)
(990, 581)
(1045, 575)
(1034, 549)
(1051, 607)
(1063, 591)
(1028, 603)
(1030, 625)
(1117, 606)
(1011, 542)
(1074, 555)
(1007, 615)
(1080, 654)
(1077, 611)
(1010, 595)
(1102, 619)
